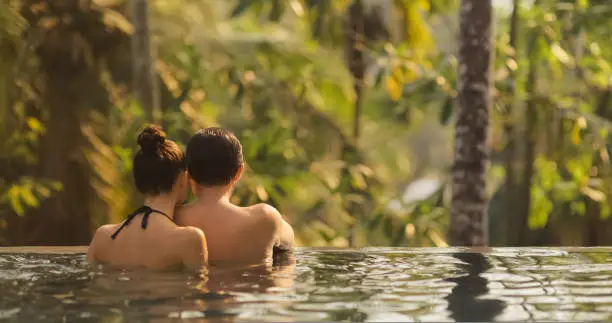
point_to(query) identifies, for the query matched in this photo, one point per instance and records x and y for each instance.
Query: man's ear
(238, 174)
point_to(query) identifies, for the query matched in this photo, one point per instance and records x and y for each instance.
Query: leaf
(578, 126)
(297, 8)
(561, 55)
(43, 191)
(394, 88)
(28, 198)
(447, 110)
(13, 196)
(578, 207)
(261, 193)
(540, 208)
(409, 230)
(114, 19)
(437, 239)
(357, 180)
(577, 170)
(593, 194)
(57, 186)
(36, 126)
(415, 28)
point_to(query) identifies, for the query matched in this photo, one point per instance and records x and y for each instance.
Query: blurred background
(344, 109)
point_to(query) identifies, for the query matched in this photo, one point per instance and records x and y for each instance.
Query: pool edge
(484, 250)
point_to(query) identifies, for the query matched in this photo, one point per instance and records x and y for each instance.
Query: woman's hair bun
(151, 138)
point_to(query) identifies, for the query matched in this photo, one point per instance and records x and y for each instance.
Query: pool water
(373, 284)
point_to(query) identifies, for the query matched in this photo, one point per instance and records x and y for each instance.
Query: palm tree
(468, 223)
(66, 92)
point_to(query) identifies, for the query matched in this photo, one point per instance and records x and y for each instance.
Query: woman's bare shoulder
(105, 230)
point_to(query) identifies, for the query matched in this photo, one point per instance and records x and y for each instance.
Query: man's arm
(285, 237)
(195, 251)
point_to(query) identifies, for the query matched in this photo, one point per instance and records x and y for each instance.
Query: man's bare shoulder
(265, 211)
(266, 215)
(263, 208)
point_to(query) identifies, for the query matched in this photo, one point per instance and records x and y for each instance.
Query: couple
(164, 234)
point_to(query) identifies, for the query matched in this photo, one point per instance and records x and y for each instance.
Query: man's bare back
(234, 234)
(238, 234)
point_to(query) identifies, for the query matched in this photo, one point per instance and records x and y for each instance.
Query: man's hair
(214, 156)
(158, 162)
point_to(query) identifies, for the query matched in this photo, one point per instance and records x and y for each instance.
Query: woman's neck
(164, 203)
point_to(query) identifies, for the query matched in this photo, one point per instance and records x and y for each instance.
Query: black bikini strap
(145, 218)
(147, 212)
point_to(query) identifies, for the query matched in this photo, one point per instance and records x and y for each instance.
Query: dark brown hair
(158, 163)
(214, 156)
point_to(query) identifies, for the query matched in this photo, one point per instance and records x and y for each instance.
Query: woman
(149, 237)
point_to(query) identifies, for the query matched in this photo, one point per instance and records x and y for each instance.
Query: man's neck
(163, 203)
(213, 194)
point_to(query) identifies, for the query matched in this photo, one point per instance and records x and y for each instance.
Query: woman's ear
(186, 179)
(192, 184)
(183, 186)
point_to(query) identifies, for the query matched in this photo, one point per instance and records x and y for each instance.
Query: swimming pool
(372, 284)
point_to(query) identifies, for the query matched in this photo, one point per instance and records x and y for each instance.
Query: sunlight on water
(376, 285)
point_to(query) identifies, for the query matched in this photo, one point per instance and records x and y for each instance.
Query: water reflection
(346, 272)
(324, 285)
(218, 294)
(270, 277)
(463, 301)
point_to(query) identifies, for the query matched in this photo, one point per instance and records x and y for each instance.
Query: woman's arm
(195, 251)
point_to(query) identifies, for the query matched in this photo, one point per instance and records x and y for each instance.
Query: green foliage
(20, 128)
(275, 72)
(26, 193)
(572, 165)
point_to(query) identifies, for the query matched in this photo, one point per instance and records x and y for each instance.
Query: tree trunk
(510, 150)
(355, 57)
(594, 235)
(71, 54)
(531, 116)
(145, 90)
(468, 222)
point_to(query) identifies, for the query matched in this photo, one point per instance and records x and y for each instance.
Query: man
(234, 234)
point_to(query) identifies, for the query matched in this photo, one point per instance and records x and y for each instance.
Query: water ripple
(371, 284)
